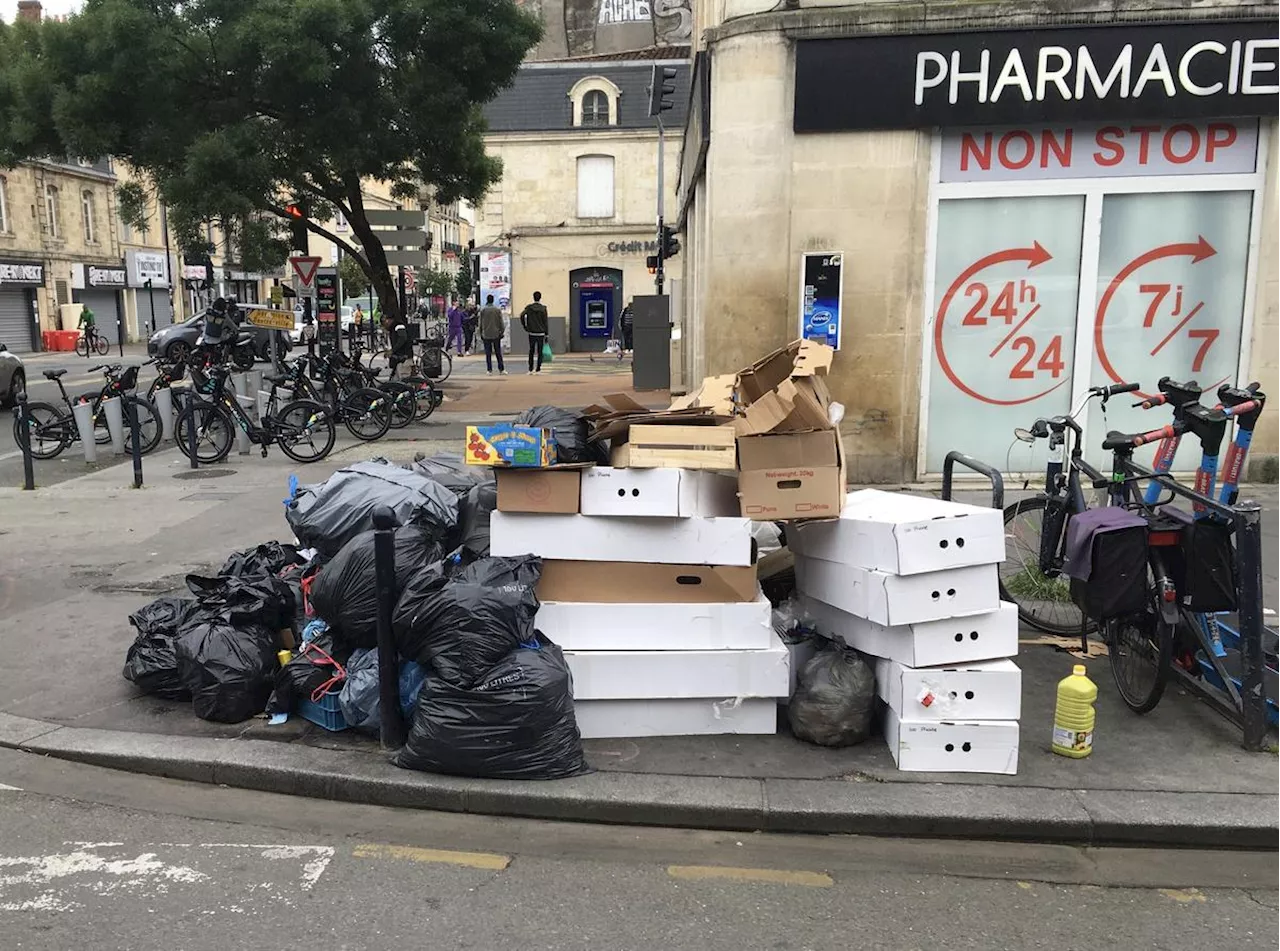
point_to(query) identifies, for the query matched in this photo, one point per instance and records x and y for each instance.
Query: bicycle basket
(129, 378)
(1107, 562)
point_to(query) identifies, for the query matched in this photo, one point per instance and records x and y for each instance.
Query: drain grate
(203, 474)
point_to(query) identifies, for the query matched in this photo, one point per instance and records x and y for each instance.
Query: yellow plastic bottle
(1073, 715)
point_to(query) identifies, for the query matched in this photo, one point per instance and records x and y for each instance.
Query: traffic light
(662, 87)
(651, 262)
(297, 228)
(668, 243)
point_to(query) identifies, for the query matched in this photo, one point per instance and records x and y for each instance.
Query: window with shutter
(595, 186)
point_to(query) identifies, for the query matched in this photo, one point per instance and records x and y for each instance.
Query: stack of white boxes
(651, 591)
(912, 581)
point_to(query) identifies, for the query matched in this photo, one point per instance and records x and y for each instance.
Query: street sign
(410, 280)
(397, 219)
(407, 238)
(416, 258)
(305, 268)
(272, 319)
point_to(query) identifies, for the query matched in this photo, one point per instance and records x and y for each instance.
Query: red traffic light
(293, 211)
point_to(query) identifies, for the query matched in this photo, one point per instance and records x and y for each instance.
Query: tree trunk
(383, 283)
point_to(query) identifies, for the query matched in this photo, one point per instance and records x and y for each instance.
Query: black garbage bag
(517, 722)
(835, 694)
(151, 664)
(328, 515)
(269, 558)
(228, 669)
(473, 518)
(317, 664)
(345, 592)
(449, 470)
(264, 599)
(570, 429)
(460, 620)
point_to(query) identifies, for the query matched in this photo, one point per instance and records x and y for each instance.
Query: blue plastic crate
(325, 714)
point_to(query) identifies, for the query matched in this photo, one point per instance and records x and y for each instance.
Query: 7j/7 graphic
(1010, 307)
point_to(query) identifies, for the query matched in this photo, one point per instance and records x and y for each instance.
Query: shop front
(19, 320)
(100, 288)
(150, 304)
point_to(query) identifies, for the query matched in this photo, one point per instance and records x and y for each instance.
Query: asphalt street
(91, 858)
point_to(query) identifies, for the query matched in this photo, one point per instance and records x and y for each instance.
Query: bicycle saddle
(373, 371)
(53, 374)
(275, 378)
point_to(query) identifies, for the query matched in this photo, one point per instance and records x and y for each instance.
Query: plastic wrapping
(473, 520)
(449, 470)
(360, 698)
(834, 698)
(328, 515)
(269, 558)
(345, 592)
(152, 664)
(228, 670)
(517, 722)
(570, 430)
(460, 620)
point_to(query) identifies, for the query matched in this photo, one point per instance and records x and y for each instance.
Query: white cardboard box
(663, 541)
(658, 493)
(903, 534)
(663, 675)
(954, 640)
(983, 690)
(899, 599)
(970, 746)
(586, 626)
(687, 717)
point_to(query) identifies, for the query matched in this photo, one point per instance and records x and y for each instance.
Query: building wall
(1264, 353)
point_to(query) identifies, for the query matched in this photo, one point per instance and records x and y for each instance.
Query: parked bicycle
(50, 430)
(431, 361)
(365, 412)
(423, 392)
(404, 406)
(303, 429)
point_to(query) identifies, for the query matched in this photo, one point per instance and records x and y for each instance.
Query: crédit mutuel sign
(1185, 70)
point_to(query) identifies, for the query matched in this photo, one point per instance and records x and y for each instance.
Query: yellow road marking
(406, 853)
(1026, 885)
(1182, 896)
(775, 875)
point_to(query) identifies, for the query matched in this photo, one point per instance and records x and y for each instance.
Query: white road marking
(3, 786)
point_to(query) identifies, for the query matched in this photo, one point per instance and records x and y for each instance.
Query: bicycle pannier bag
(1107, 562)
(1210, 580)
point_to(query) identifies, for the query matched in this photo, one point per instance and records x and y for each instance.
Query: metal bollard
(264, 401)
(115, 423)
(23, 415)
(83, 413)
(392, 732)
(135, 444)
(243, 443)
(164, 409)
(191, 431)
(1248, 524)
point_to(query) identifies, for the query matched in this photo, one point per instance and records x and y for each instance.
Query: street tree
(434, 282)
(354, 282)
(462, 282)
(234, 110)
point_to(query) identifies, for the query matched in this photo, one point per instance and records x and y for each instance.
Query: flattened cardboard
(613, 719)
(904, 534)
(954, 640)
(658, 493)
(613, 582)
(781, 392)
(899, 599)
(664, 675)
(972, 746)
(715, 394)
(547, 491)
(587, 626)
(791, 475)
(706, 541)
(985, 690)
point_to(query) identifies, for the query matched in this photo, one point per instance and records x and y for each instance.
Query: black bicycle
(365, 412)
(51, 430)
(303, 429)
(404, 406)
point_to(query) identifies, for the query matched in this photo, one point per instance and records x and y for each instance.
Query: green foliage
(434, 282)
(354, 283)
(232, 108)
(462, 283)
(132, 205)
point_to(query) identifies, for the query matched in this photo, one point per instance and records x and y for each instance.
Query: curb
(924, 810)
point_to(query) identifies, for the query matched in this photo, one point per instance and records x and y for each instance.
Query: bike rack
(992, 473)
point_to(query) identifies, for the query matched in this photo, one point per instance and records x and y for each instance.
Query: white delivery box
(688, 717)
(954, 640)
(662, 675)
(588, 626)
(658, 493)
(903, 534)
(899, 599)
(662, 541)
(960, 746)
(983, 690)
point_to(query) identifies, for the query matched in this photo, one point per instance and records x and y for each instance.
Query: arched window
(595, 102)
(595, 108)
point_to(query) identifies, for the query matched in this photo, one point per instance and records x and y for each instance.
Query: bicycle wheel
(380, 360)
(148, 425)
(446, 365)
(215, 432)
(48, 431)
(82, 346)
(404, 407)
(1141, 650)
(101, 345)
(424, 396)
(304, 430)
(367, 413)
(1043, 602)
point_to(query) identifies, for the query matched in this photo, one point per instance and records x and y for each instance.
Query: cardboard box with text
(791, 475)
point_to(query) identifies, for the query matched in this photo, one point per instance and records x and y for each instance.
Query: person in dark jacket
(534, 321)
(401, 345)
(628, 326)
(492, 328)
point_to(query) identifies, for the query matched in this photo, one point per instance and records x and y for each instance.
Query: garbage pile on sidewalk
(599, 574)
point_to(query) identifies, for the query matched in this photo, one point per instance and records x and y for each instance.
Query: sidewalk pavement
(81, 555)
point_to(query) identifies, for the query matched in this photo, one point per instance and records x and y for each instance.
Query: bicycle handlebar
(1106, 392)
(1241, 409)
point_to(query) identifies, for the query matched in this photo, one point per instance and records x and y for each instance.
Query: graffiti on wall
(672, 22)
(625, 11)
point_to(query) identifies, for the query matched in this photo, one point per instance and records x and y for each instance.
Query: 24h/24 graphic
(1021, 358)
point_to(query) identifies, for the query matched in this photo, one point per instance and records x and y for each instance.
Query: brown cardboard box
(785, 392)
(615, 582)
(554, 490)
(791, 475)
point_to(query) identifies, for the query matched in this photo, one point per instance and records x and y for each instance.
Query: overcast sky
(9, 8)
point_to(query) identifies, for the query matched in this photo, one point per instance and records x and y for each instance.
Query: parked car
(13, 376)
(176, 341)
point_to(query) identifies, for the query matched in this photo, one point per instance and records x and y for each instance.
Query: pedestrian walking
(492, 327)
(534, 321)
(469, 321)
(454, 315)
(628, 322)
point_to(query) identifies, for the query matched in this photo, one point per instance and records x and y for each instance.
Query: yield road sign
(305, 268)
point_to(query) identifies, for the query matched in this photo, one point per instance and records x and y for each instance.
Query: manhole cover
(204, 473)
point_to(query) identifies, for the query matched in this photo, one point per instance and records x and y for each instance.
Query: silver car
(13, 377)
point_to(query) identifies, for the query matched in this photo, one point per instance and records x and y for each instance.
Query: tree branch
(323, 232)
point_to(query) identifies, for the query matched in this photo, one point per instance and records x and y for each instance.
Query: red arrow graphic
(1034, 256)
(1199, 250)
